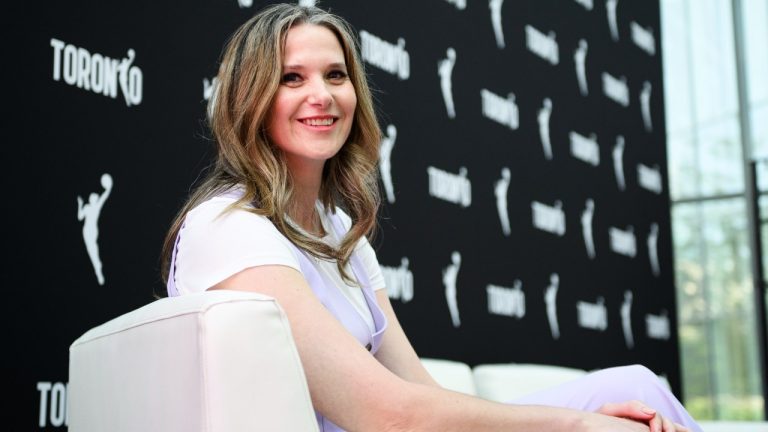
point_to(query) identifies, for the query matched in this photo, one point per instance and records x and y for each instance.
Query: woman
(297, 136)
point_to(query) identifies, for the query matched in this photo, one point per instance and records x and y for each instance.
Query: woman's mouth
(318, 121)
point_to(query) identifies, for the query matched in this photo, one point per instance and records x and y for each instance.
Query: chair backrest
(505, 382)
(452, 375)
(216, 361)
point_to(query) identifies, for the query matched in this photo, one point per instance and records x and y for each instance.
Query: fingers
(668, 425)
(634, 409)
(638, 411)
(656, 424)
(663, 424)
(645, 409)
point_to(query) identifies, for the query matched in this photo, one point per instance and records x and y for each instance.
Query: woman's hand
(638, 411)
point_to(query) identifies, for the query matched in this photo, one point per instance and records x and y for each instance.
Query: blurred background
(715, 62)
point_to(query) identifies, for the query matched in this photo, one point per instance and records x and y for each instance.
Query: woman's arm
(396, 352)
(352, 389)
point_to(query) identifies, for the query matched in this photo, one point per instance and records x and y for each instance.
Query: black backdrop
(443, 237)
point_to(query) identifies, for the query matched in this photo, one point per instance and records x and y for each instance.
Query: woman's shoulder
(218, 240)
(220, 209)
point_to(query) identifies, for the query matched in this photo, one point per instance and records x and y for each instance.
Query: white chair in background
(452, 375)
(504, 382)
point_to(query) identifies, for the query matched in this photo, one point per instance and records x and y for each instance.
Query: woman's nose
(319, 93)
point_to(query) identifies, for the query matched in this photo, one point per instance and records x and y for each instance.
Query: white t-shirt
(215, 245)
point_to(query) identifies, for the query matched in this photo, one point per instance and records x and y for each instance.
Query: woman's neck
(303, 211)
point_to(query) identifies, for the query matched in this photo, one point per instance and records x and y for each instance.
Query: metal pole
(751, 195)
(760, 283)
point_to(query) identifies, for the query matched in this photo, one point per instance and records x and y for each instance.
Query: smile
(318, 121)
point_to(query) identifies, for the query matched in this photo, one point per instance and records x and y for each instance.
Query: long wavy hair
(247, 81)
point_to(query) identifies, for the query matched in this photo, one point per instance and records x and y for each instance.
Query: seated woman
(298, 141)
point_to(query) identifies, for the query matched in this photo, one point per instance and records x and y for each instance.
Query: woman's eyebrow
(333, 65)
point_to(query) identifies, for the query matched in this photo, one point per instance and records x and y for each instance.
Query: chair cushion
(507, 381)
(452, 375)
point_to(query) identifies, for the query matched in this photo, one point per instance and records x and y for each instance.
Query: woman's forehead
(307, 41)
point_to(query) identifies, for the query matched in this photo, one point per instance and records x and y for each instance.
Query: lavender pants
(617, 384)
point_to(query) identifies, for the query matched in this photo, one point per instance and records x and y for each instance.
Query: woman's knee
(636, 370)
(635, 374)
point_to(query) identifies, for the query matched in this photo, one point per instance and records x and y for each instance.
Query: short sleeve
(371, 264)
(215, 244)
(367, 255)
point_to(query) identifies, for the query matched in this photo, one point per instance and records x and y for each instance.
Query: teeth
(319, 122)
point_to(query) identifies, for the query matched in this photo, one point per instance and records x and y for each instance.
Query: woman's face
(313, 109)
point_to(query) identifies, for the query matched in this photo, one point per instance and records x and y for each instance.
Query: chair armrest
(214, 361)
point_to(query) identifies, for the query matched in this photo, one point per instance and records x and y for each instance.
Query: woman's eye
(291, 77)
(337, 75)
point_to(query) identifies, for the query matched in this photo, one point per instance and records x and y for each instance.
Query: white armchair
(217, 361)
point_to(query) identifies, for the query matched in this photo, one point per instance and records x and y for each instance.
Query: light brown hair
(247, 81)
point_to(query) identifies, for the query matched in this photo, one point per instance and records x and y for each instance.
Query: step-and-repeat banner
(523, 172)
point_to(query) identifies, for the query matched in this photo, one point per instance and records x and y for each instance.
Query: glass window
(717, 325)
(721, 167)
(713, 60)
(719, 359)
(676, 60)
(703, 131)
(755, 17)
(683, 166)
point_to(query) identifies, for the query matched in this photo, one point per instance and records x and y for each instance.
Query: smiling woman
(285, 212)
(313, 109)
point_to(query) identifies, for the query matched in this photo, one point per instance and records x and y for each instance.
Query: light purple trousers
(617, 384)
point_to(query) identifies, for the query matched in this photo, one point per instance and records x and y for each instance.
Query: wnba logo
(97, 73)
